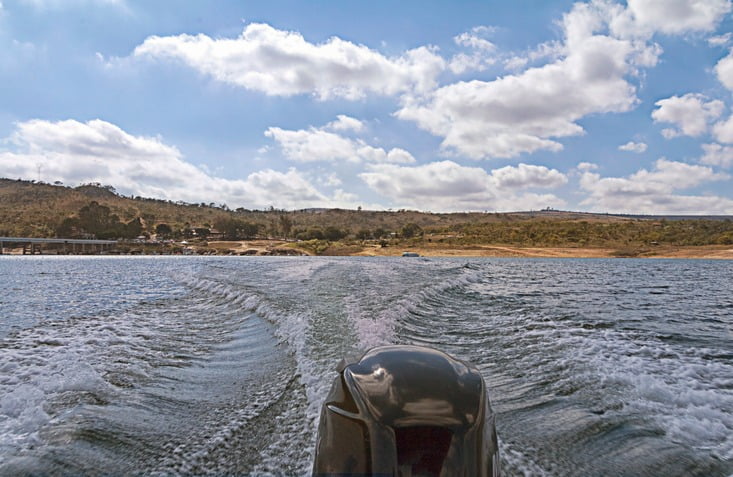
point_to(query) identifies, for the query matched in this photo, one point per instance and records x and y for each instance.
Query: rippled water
(219, 365)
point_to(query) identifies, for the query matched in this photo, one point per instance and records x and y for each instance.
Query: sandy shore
(262, 247)
(281, 247)
(708, 252)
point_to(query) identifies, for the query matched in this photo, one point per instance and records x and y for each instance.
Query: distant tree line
(236, 229)
(97, 221)
(584, 233)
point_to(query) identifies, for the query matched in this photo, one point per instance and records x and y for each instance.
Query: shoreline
(280, 247)
(284, 248)
(689, 252)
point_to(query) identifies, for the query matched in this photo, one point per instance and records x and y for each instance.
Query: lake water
(219, 365)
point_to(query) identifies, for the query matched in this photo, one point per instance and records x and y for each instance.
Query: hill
(29, 209)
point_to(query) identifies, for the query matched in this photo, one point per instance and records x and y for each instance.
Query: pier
(60, 246)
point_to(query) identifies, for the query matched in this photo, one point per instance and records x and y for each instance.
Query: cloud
(723, 130)
(645, 17)
(690, 113)
(448, 186)
(283, 63)
(482, 51)
(331, 180)
(549, 51)
(522, 113)
(309, 145)
(475, 39)
(604, 45)
(346, 123)
(319, 144)
(717, 155)
(631, 146)
(724, 70)
(719, 40)
(654, 192)
(527, 176)
(587, 166)
(98, 151)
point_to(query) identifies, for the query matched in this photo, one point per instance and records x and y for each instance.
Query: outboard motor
(407, 411)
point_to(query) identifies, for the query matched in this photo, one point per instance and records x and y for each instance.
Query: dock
(60, 246)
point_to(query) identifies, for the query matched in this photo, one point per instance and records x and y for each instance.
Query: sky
(441, 106)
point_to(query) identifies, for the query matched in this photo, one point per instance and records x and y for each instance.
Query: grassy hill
(29, 209)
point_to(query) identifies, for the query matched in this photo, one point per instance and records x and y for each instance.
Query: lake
(219, 365)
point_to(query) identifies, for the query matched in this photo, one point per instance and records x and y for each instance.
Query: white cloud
(587, 166)
(717, 155)
(462, 63)
(523, 113)
(549, 51)
(377, 154)
(654, 192)
(515, 63)
(481, 56)
(690, 113)
(345, 123)
(283, 63)
(719, 40)
(520, 113)
(318, 144)
(343, 197)
(445, 186)
(724, 70)
(331, 180)
(474, 39)
(604, 44)
(98, 151)
(645, 17)
(527, 176)
(313, 145)
(723, 130)
(631, 146)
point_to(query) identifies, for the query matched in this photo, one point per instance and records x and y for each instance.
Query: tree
(363, 234)
(311, 234)
(68, 228)
(163, 230)
(97, 220)
(411, 230)
(234, 229)
(202, 232)
(133, 228)
(249, 230)
(332, 234)
(286, 225)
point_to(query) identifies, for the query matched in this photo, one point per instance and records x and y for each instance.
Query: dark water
(164, 366)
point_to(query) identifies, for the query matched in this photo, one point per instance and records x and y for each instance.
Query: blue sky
(621, 107)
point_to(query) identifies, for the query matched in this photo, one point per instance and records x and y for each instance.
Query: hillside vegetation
(29, 209)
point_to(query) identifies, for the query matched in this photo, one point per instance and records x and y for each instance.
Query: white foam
(47, 372)
(515, 462)
(676, 388)
(682, 399)
(376, 325)
(684, 394)
(292, 328)
(38, 379)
